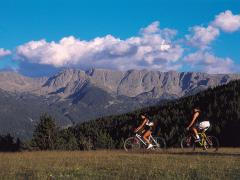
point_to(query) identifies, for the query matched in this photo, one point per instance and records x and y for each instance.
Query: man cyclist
(147, 125)
(196, 118)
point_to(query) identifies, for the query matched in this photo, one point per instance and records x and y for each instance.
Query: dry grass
(120, 165)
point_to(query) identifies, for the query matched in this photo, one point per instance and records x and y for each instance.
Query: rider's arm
(141, 126)
(193, 119)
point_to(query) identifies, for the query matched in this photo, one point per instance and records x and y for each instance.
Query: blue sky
(87, 23)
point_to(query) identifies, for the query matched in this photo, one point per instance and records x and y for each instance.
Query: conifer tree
(45, 135)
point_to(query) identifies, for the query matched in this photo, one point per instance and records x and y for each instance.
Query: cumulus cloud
(153, 48)
(201, 37)
(227, 21)
(208, 62)
(152, 28)
(4, 52)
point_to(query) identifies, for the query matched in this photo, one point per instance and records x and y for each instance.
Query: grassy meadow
(112, 164)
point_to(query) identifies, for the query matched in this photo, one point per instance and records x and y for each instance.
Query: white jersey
(149, 123)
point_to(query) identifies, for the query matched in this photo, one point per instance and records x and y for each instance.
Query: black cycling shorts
(148, 128)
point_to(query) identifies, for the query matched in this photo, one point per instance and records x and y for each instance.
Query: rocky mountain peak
(131, 83)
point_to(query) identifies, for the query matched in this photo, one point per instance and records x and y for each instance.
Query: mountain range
(74, 96)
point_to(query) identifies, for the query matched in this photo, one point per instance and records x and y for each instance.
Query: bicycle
(206, 142)
(137, 142)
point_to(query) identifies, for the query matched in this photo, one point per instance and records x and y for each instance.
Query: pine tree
(45, 135)
(66, 140)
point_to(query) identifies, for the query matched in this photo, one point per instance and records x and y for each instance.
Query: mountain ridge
(131, 83)
(74, 96)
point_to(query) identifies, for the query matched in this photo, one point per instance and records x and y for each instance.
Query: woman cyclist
(147, 125)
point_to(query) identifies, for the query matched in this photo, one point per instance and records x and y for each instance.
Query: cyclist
(147, 125)
(196, 118)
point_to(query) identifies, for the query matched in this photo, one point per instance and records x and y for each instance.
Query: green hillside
(220, 105)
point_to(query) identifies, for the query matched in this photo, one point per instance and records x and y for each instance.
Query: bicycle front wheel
(211, 144)
(187, 144)
(132, 144)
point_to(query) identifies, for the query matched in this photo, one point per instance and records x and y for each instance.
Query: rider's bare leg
(146, 136)
(195, 132)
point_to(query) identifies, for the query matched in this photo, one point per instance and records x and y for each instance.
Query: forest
(220, 105)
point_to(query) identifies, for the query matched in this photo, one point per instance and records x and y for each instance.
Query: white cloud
(4, 52)
(152, 28)
(209, 63)
(227, 22)
(201, 37)
(153, 48)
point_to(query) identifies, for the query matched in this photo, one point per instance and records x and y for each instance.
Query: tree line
(8, 143)
(219, 105)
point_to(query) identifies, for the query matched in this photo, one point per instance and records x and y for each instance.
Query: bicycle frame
(140, 138)
(206, 142)
(150, 138)
(202, 136)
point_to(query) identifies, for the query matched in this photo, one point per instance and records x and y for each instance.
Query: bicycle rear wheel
(187, 144)
(211, 144)
(132, 144)
(161, 143)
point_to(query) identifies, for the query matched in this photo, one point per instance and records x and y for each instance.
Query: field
(107, 164)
